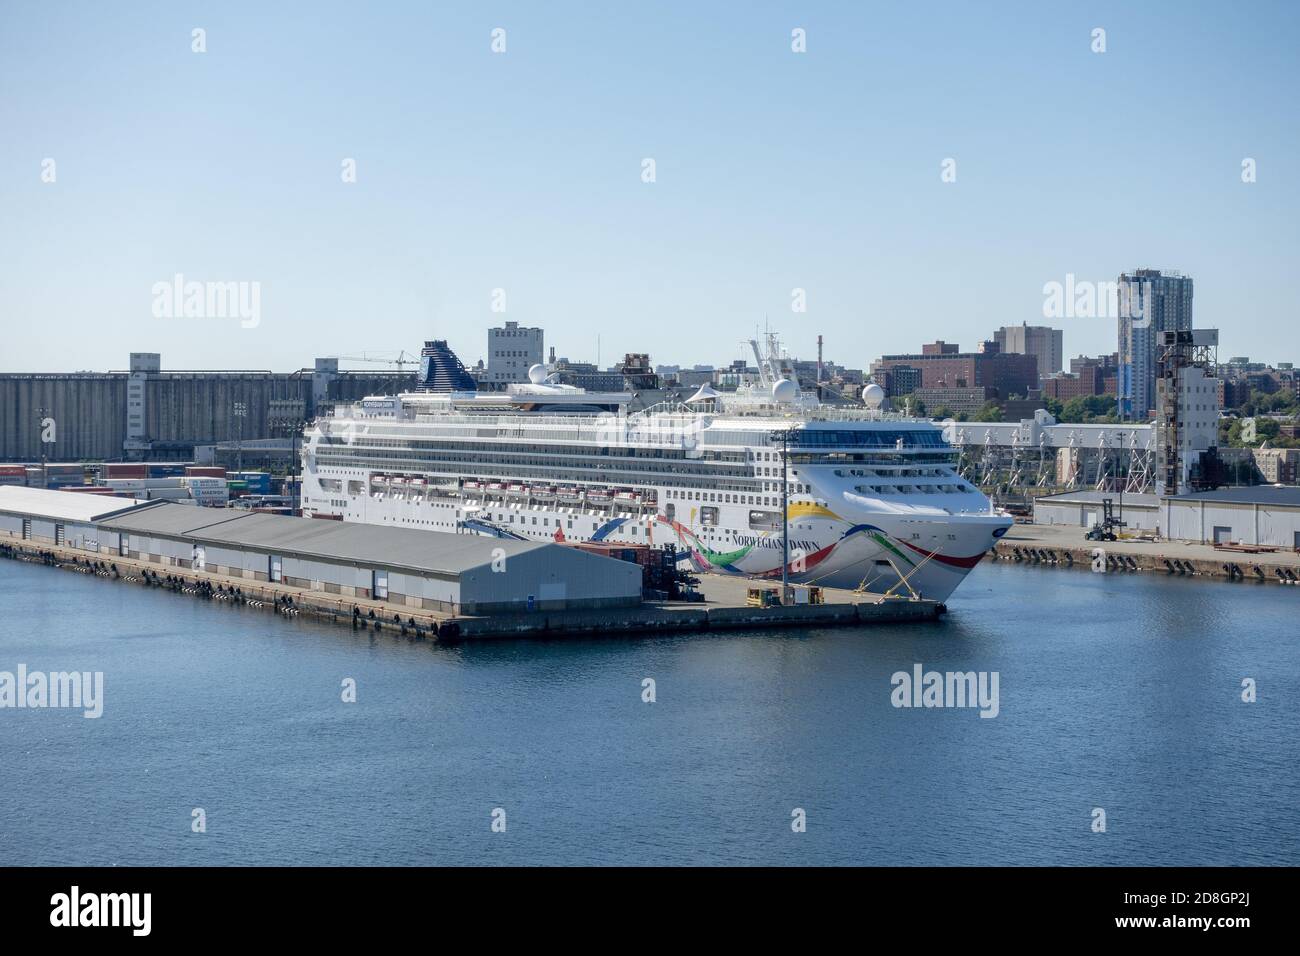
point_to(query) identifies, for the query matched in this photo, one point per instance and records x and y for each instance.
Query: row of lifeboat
(561, 494)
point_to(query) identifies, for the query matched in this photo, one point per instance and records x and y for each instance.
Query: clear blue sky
(522, 171)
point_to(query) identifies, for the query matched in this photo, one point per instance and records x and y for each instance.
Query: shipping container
(118, 469)
(204, 471)
(166, 469)
(258, 482)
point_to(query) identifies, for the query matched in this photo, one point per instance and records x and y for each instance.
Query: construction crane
(402, 360)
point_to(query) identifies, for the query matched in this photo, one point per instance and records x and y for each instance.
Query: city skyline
(780, 178)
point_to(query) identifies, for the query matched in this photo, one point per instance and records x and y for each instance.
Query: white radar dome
(785, 391)
(873, 396)
(537, 374)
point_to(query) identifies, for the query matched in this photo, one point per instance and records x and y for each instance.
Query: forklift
(1106, 529)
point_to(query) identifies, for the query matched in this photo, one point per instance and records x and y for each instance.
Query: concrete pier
(724, 606)
(1064, 546)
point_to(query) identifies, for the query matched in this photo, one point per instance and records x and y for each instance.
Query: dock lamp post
(783, 437)
(296, 425)
(40, 434)
(241, 410)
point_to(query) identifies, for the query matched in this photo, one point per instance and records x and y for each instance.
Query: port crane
(403, 359)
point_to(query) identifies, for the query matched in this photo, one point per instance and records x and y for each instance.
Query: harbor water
(1119, 693)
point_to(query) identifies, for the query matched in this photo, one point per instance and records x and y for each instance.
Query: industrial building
(512, 351)
(59, 517)
(1265, 516)
(1084, 508)
(148, 413)
(404, 567)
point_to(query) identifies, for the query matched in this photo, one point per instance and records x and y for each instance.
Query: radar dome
(537, 374)
(785, 391)
(873, 396)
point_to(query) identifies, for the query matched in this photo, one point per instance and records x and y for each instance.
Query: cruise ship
(872, 499)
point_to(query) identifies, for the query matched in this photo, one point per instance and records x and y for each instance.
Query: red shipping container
(125, 470)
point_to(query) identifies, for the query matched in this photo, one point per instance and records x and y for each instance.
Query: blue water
(1119, 692)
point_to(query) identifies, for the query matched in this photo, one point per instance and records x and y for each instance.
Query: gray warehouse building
(59, 517)
(1265, 515)
(405, 567)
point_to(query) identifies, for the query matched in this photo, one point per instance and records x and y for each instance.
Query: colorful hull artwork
(825, 549)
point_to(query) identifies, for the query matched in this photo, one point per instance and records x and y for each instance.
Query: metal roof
(1090, 497)
(1287, 496)
(435, 552)
(64, 505)
(172, 518)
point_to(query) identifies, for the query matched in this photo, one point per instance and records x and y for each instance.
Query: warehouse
(59, 517)
(405, 567)
(1083, 509)
(1266, 515)
(402, 566)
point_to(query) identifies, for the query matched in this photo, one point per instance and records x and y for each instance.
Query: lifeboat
(517, 490)
(472, 485)
(544, 492)
(569, 496)
(599, 496)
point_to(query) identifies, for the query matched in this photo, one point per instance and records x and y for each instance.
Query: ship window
(709, 517)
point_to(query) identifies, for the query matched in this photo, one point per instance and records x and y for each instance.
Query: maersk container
(258, 482)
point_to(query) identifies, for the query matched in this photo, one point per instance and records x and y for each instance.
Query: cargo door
(1222, 535)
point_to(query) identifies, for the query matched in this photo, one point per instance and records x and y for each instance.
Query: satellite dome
(537, 374)
(785, 391)
(873, 396)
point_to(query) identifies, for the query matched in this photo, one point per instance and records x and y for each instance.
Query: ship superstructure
(871, 496)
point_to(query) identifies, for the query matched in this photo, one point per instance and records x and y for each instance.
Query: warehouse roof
(64, 505)
(1090, 497)
(1286, 496)
(176, 519)
(415, 549)
(1271, 495)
